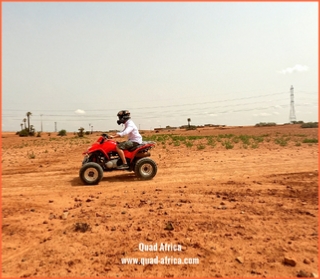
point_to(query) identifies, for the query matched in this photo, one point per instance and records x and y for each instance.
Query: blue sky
(227, 63)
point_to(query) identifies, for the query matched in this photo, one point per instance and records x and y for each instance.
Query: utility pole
(41, 123)
(292, 116)
(55, 127)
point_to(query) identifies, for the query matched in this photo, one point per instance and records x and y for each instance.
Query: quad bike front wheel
(145, 168)
(91, 173)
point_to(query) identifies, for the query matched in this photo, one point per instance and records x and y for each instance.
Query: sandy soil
(247, 211)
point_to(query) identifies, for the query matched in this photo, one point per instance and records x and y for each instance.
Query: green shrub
(228, 144)
(257, 138)
(191, 127)
(310, 140)
(62, 133)
(176, 143)
(188, 144)
(245, 139)
(236, 140)
(265, 124)
(24, 133)
(31, 155)
(309, 125)
(201, 146)
(211, 141)
(254, 145)
(281, 141)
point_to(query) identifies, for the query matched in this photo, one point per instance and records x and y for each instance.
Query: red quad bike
(103, 157)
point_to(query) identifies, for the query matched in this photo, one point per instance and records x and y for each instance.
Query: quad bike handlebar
(104, 138)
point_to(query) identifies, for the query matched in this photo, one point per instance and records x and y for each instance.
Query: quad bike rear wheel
(145, 168)
(91, 173)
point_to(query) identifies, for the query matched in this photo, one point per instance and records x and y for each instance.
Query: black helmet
(123, 116)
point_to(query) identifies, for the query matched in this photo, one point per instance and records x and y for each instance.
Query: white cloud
(262, 114)
(80, 111)
(277, 107)
(296, 68)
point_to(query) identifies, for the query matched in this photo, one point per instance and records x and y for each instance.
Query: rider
(134, 138)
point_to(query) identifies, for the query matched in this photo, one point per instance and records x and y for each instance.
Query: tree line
(26, 128)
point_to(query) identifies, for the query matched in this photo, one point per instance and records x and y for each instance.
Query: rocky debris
(142, 202)
(169, 227)
(76, 205)
(187, 241)
(184, 201)
(306, 261)
(82, 227)
(220, 207)
(240, 259)
(289, 261)
(304, 274)
(310, 214)
(64, 215)
(45, 239)
(160, 206)
(50, 201)
(52, 216)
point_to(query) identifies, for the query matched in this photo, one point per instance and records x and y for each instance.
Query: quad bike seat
(140, 145)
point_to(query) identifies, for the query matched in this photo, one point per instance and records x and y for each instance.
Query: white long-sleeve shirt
(132, 131)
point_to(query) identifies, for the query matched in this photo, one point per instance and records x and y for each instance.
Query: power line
(103, 115)
(166, 106)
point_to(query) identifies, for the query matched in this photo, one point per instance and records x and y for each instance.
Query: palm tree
(189, 120)
(28, 115)
(25, 120)
(21, 126)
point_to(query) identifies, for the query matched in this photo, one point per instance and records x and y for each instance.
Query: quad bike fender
(94, 148)
(104, 146)
(132, 154)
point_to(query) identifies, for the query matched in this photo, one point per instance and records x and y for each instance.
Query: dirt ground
(246, 211)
